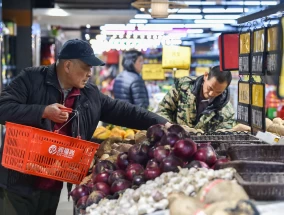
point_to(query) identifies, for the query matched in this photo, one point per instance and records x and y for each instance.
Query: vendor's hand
(167, 125)
(53, 113)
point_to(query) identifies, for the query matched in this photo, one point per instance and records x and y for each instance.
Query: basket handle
(68, 110)
(76, 113)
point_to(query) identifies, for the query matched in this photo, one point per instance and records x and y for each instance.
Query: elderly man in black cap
(36, 98)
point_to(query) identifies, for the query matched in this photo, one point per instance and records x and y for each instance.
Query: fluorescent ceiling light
(199, 2)
(251, 3)
(246, 2)
(207, 39)
(223, 10)
(269, 3)
(140, 21)
(204, 25)
(142, 16)
(179, 16)
(241, 2)
(56, 12)
(221, 16)
(174, 10)
(117, 27)
(189, 10)
(195, 31)
(213, 21)
(160, 27)
(109, 32)
(198, 35)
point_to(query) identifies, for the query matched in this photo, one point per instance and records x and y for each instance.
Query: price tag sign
(258, 106)
(181, 73)
(176, 57)
(258, 54)
(280, 87)
(244, 55)
(273, 50)
(153, 72)
(243, 112)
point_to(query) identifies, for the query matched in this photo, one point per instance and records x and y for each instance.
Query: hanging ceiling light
(159, 8)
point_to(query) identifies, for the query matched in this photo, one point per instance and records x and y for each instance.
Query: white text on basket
(61, 151)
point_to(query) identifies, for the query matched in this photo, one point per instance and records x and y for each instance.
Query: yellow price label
(244, 93)
(245, 43)
(281, 78)
(258, 40)
(176, 57)
(181, 73)
(272, 38)
(256, 78)
(153, 72)
(258, 95)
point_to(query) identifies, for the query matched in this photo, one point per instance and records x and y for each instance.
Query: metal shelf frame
(263, 13)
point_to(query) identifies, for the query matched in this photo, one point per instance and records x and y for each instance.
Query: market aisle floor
(64, 207)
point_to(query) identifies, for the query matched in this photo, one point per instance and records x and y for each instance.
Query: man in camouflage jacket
(184, 103)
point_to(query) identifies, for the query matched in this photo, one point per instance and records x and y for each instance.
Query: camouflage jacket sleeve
(168, 106)
(228, 115)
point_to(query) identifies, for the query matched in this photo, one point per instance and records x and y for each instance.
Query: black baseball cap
(79, 49)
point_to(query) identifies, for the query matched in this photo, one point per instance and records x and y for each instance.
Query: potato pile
(214, 198)
(276, 126)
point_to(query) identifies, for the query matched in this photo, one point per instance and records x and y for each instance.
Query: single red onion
(119, 185)
(171, 164)
(122, 160)
(161, 152)
(207, 155)
(185, 149)
(152, 173)
(155, 133)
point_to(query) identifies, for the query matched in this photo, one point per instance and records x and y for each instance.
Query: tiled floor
(65, 207)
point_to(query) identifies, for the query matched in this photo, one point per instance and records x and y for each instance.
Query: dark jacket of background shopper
(129, 85)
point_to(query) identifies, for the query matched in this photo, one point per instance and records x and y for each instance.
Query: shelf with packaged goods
(206, 56)
(206, 66)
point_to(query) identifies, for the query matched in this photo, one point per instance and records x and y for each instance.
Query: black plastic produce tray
(253, 166)
(262, 186)
(221, 143)
(264, 152)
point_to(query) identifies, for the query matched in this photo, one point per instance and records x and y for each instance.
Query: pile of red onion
(169, 150)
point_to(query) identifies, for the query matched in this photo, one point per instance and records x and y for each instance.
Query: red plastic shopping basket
(47, 154)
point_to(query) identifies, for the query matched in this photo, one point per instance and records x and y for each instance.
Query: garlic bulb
(152, 196)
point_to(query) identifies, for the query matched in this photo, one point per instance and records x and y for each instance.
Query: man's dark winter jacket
(25, 99)
(130, 87)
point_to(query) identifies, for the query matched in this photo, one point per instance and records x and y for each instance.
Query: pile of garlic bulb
(152, 196)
